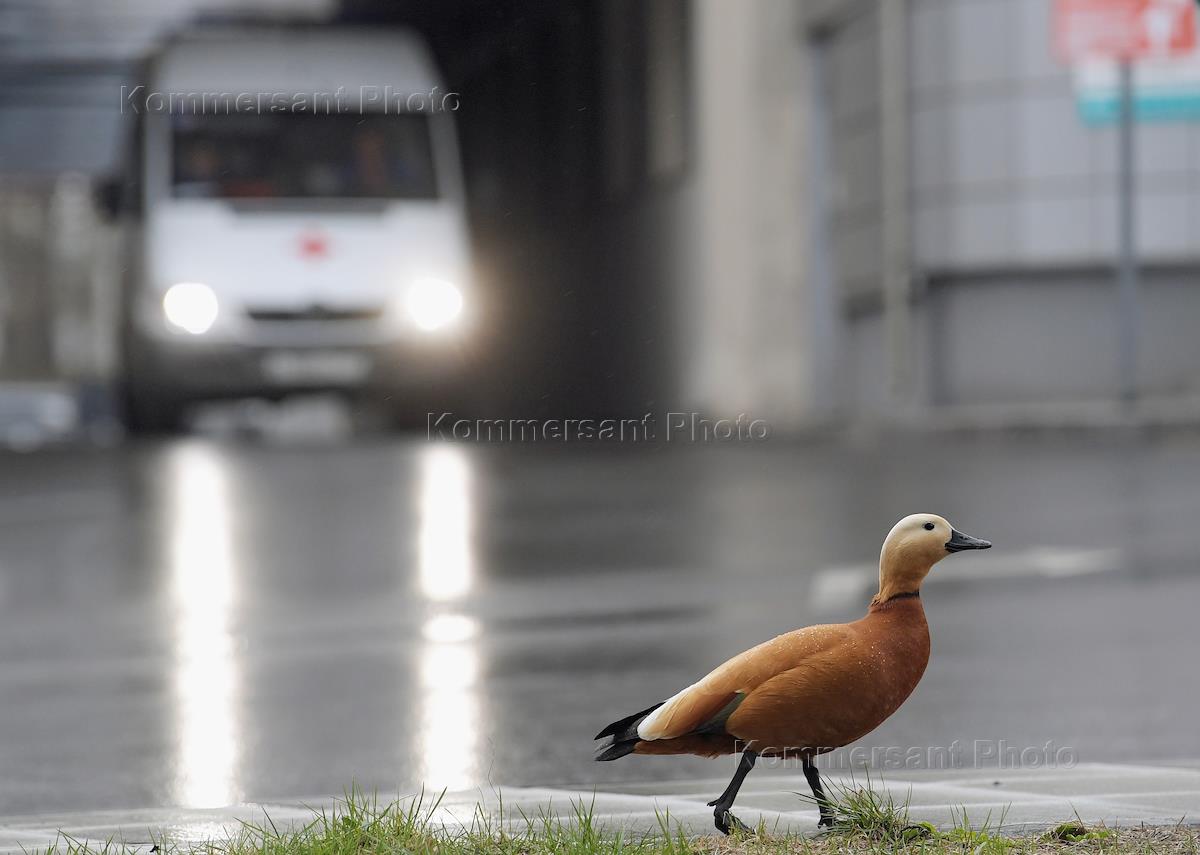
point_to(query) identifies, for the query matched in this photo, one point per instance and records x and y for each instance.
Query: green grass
(866, 822)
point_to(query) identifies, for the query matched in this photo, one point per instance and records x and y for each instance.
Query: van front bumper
(196, 369)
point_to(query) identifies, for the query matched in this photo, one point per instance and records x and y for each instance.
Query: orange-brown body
(805, 692)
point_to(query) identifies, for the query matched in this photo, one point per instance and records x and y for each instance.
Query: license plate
(292, 367)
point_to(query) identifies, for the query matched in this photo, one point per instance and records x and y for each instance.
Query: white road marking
(843, 585)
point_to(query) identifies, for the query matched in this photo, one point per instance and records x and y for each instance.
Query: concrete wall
(753, 332)
(1049, 338)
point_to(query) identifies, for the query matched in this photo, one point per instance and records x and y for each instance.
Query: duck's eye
(929, 526)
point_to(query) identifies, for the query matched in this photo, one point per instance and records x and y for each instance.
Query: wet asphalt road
(201, 622)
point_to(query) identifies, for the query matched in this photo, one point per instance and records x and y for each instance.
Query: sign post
(1124, 31)
(1127, 268)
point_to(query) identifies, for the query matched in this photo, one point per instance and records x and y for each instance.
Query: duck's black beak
(959, 541)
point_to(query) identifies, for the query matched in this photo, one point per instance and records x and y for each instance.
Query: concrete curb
(1013, 800)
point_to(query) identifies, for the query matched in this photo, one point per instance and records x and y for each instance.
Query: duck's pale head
(911, 549)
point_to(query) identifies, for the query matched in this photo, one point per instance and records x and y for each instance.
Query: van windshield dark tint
(302, 156)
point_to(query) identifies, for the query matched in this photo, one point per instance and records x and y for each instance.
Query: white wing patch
(648, 723)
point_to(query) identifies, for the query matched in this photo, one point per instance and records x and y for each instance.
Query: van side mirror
(108, 194)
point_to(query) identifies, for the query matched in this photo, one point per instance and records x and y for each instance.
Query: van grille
(316, 313)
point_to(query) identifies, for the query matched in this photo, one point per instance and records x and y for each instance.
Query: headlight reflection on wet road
(448, 736)
(203, 592)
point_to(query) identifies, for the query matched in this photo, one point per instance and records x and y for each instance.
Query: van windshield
(302, 156)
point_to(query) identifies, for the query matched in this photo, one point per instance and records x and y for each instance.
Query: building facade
(921, 224)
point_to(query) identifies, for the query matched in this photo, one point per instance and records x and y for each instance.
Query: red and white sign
(1124, 29)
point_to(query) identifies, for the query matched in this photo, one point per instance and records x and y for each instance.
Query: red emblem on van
(314, 246)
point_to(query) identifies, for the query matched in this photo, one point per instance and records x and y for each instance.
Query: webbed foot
(727, 823)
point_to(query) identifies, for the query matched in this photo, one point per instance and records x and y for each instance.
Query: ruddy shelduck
(811, 690)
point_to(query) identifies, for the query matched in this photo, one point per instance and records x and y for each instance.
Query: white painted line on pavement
(844, 585)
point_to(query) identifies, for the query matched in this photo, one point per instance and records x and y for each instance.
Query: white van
(300, 221)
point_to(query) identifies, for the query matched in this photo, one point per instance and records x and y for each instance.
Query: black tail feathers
(616, 750)
(624, 735)
(626, 728)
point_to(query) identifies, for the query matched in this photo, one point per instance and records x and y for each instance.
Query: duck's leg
(722, 818)
(814, 781)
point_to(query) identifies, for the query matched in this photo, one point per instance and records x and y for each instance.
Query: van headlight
(433, 304)
(190, 306)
